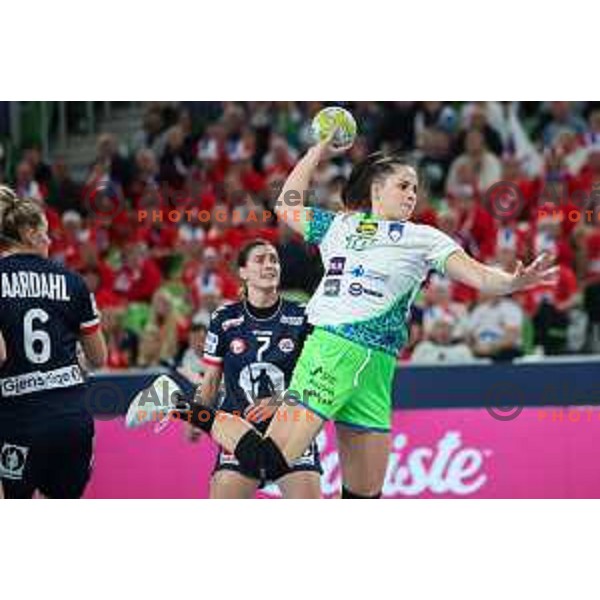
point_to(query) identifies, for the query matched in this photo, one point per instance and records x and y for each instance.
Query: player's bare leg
(300, 485)
(363, 459)
(289, 435)
(228, 429)
(1, 492)
(230, 485)
(293, 428)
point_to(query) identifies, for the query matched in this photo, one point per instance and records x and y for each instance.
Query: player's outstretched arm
(290, 207)
(462, 267)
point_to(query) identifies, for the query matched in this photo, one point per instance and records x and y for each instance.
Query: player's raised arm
(461, 267)
(290, 207)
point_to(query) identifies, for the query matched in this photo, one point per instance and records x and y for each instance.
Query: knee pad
(260, 457)
(348, 495)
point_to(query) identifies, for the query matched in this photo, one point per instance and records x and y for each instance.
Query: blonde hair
(17, 214)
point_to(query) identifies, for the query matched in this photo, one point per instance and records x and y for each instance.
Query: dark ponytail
(356, 194)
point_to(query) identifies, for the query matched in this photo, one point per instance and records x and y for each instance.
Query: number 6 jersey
(44, 309)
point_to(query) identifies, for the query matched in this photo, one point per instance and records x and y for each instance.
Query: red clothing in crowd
(479, 227)
(138, 285)
(555, 293)
(592, 255)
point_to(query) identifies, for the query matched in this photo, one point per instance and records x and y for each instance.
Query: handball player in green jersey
(375, 262)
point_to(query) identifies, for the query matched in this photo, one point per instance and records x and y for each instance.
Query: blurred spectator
(562, 118)
(495, 328)
(479, 116)
(439, 300)
(516, 142)
(151, 135)
(108, 160)
(67, 242)
(396, 128)
(165, 320)
(482, 168)
(144, 188)
(190, 140)
(64, 193)
(438, 346)
(176, 159)
(121, 344)
(280, 159)
(191, 365)
(210, 302)
(150, 349)
(434, 159)
(588, 241)
(139, 277)
(26, 186)
(41, 171)
(476, 227)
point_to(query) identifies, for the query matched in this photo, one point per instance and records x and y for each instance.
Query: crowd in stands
(134, 227)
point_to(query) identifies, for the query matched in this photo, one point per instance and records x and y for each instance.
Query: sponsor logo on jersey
(395, 231)
(358, 242)
(287, 345)
(355, 289)
(294, 321)
(232, 323)
(367, 228)
(336, 265)
(39, 381)
(211, 342)
(12, 461)
(237, 346)
(332, 287)
(360, 271)
(373, 293)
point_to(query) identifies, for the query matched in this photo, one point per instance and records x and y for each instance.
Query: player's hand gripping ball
(330, 119)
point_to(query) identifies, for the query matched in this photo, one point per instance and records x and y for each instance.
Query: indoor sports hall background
(151, 203)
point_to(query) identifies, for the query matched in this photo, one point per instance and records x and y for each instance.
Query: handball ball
(334, 118)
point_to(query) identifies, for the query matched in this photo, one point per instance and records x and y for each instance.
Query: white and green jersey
(373, 271)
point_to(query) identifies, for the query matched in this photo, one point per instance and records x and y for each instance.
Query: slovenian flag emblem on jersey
(395, 231)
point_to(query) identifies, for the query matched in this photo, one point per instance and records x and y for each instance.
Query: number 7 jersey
(257, 355)
(44, 309)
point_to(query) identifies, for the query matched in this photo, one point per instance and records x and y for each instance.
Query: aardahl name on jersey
(29, 284)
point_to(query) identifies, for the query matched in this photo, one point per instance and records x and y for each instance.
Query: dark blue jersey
(257, 355)
(44, 309)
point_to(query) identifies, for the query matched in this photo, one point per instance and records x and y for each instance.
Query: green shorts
(344, 381)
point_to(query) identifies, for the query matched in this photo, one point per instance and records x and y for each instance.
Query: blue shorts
(45, 449)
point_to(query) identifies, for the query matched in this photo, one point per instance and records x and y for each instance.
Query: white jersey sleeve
(439, 247)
